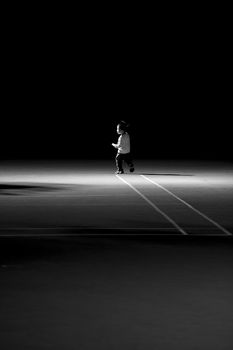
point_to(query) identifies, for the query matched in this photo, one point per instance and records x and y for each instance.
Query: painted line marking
(154, 206)
(38, 235)
(189, 206)
(50, 235)
(78, 229)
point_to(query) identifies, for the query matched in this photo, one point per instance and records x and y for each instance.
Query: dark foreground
(116, 293)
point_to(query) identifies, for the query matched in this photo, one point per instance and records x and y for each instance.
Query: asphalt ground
(160, 197)
(87, 262)
(116, 293)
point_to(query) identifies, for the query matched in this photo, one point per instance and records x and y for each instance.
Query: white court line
(34, 232)
(50, 235)
(7, 229)
(37, 232)
(153, 206)
(189, 206)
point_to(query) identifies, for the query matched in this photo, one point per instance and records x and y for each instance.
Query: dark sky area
(66, 88)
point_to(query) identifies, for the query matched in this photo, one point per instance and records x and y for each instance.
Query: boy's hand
(114, 145)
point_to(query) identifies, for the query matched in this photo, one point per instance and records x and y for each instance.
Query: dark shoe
(131, 170)
(119, 172)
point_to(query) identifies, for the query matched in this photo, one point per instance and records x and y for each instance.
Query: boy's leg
(129, 161)
(119, 161)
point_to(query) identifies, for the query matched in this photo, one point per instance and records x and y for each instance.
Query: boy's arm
(118, 144)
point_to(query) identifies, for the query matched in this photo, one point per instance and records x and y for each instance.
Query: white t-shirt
(123, 143)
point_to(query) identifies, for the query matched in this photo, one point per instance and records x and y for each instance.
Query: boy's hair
(123, 125)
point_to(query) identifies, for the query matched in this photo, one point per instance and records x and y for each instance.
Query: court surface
(91, 260)
(168, 198)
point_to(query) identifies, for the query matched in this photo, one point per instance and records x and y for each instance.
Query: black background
(68, 82)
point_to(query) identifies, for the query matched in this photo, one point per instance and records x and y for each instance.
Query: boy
(123, 146)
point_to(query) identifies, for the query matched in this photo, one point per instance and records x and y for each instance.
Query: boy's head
(121, 127)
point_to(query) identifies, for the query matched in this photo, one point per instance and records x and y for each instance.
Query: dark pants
(127, 158)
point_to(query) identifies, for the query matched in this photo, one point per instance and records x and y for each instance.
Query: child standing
(123, 147)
